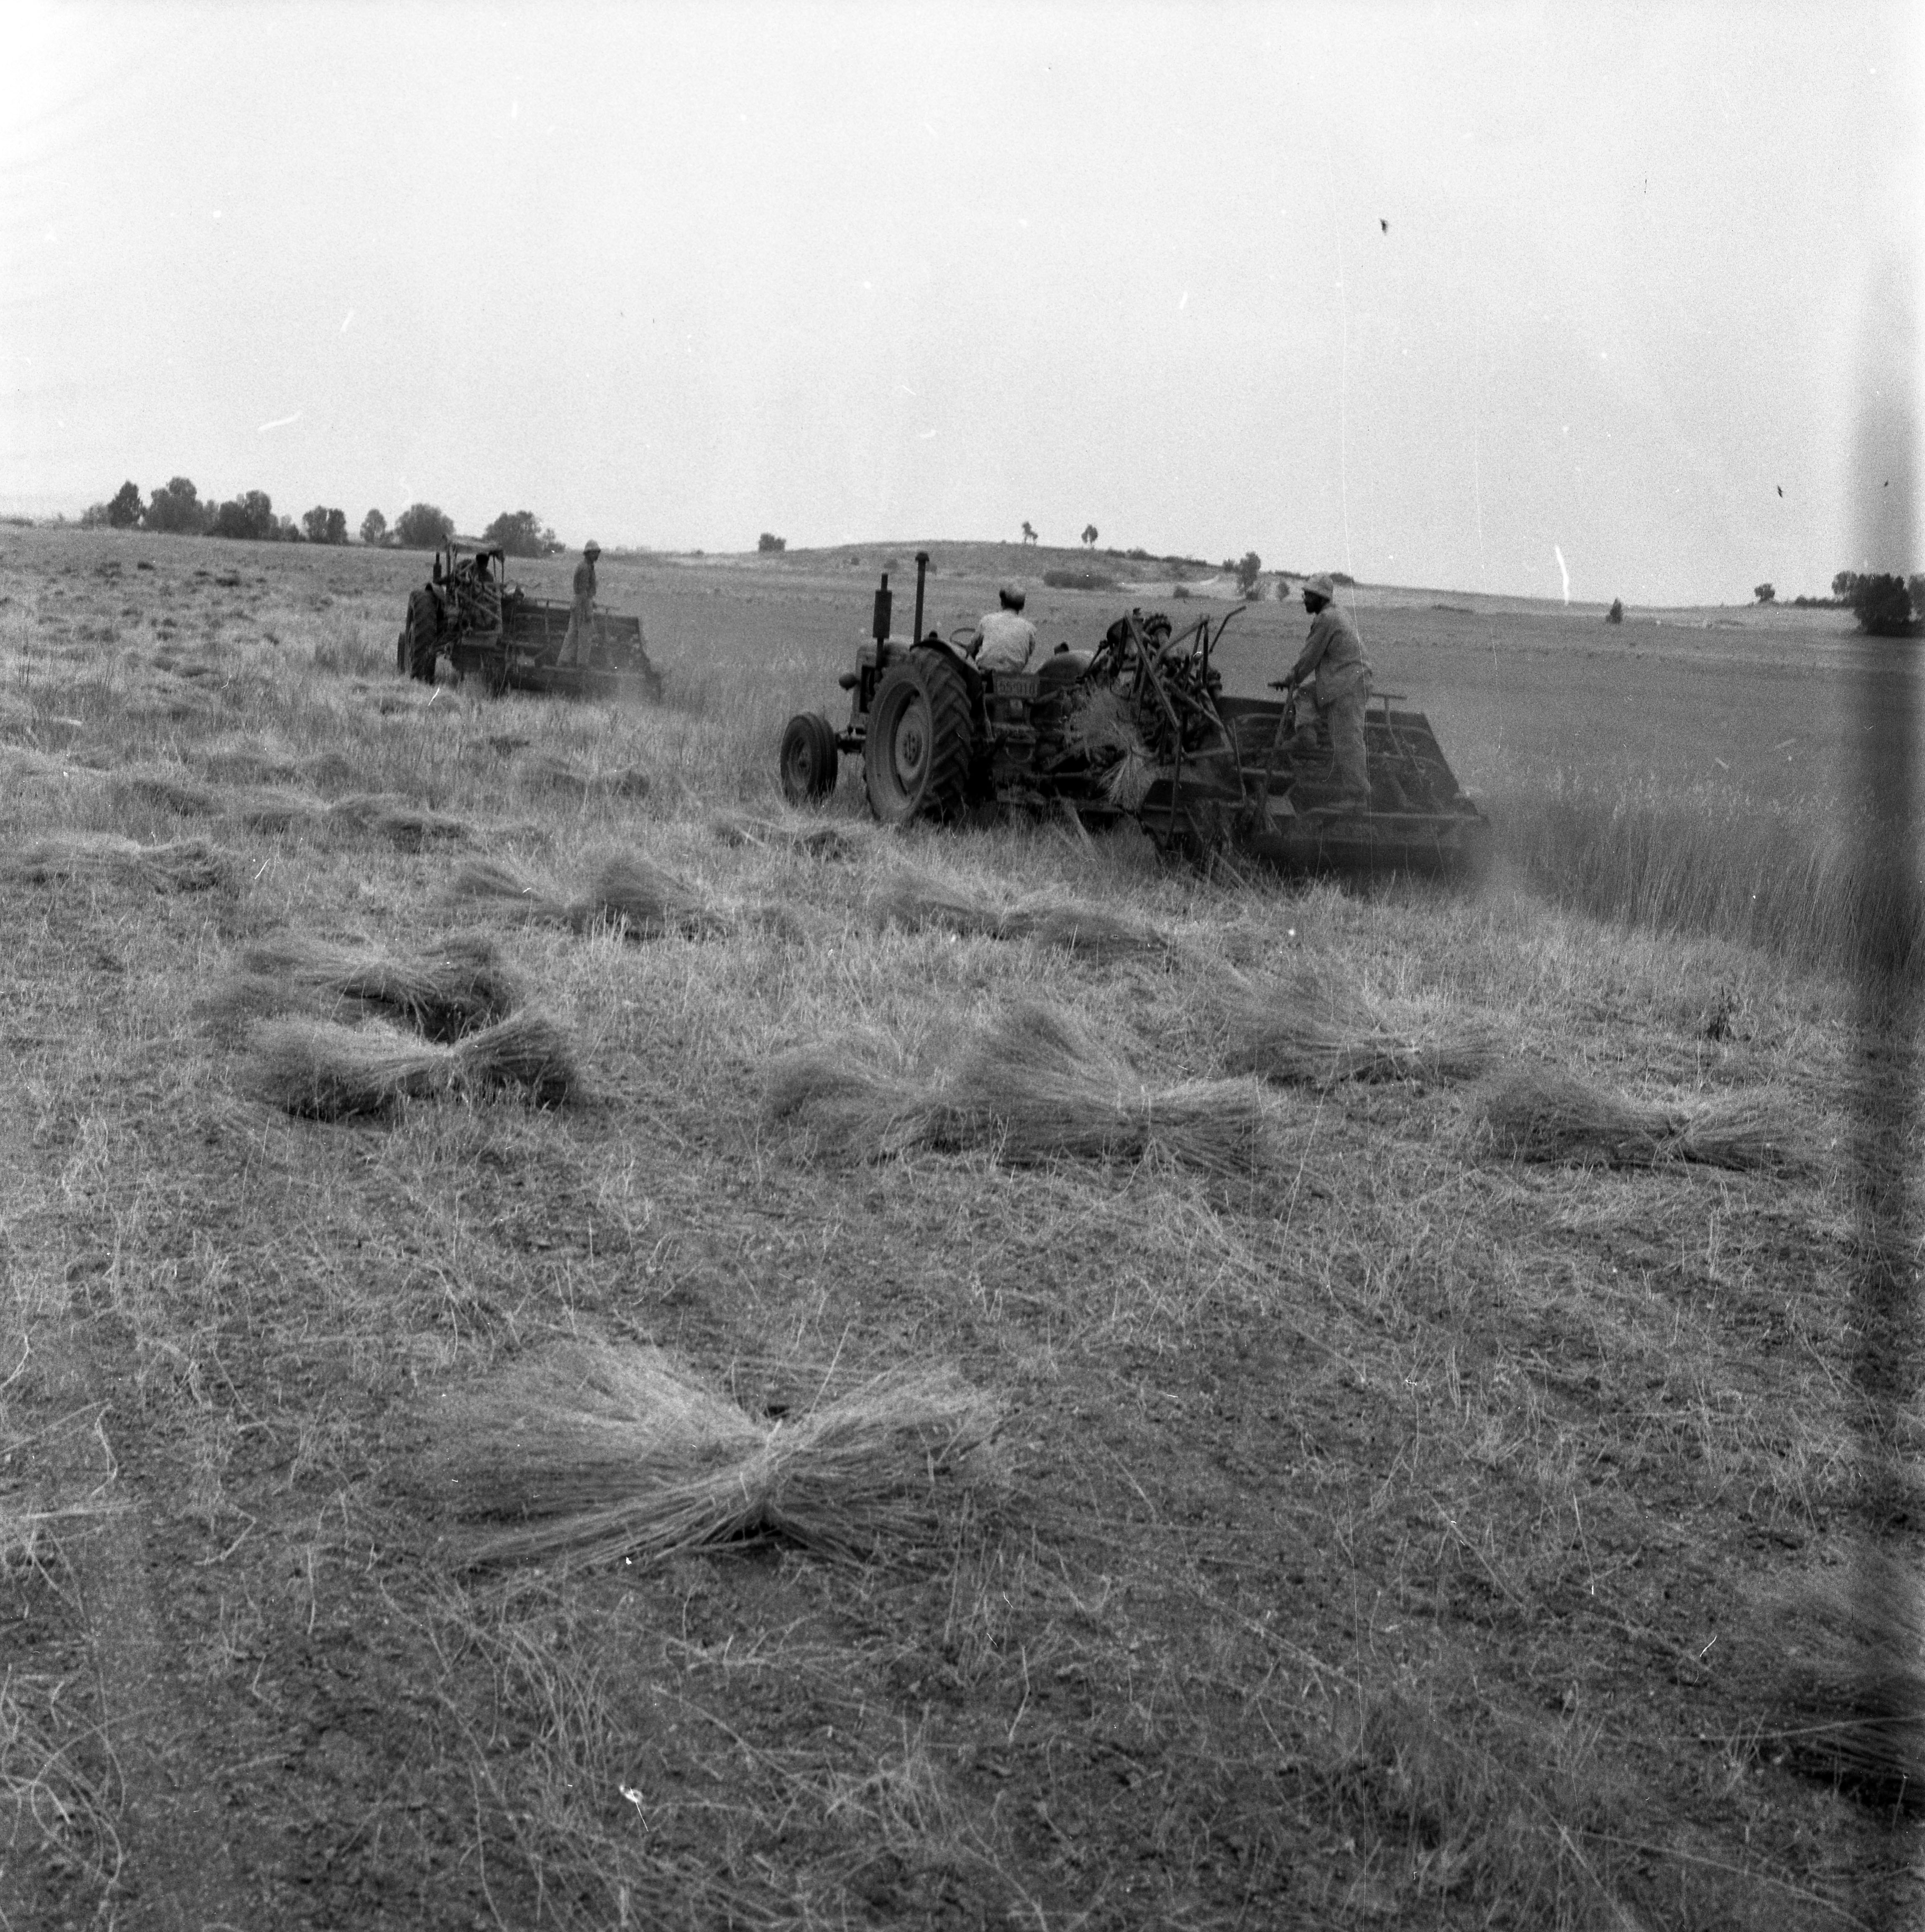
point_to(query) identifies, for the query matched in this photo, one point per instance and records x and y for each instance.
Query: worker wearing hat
(579, 644)
(1333, 655)
(1006, 640)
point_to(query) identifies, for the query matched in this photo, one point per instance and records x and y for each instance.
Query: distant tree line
(178, 509)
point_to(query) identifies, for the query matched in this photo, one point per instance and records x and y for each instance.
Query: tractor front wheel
(809, 759)
(418, 645)
(916, 761)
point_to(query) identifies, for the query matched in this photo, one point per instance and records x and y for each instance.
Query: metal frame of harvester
(1137, 727)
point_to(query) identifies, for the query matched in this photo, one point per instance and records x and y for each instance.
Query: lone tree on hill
(177, 509)
(374, 529)
(522, 533)
(1765, 593)
(1248, 571)
(423, 526)
(123, 507)
(1615, 615)
(324, 526)
(1089, 534)
(1029, 532)
(769, 544)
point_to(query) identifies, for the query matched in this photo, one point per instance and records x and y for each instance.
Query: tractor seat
(1064, 668)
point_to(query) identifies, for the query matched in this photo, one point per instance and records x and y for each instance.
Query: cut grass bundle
(558, 774)
(824, 838)
(458, 987)
(625, 890)
(845, 1099)
(185, 865)
(396, 819)
(506, 886)
(915, 900)
(180, 793)
(1040, 1083)
(1857, 1688)
(1298, 1035)
(331, 1072)
(1536, 1114)
(259, 807)
(1037, 1086)
(595, 1452)
(1088, 931)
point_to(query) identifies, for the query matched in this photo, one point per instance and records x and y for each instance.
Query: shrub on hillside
(1615, 615)
(1248, 567)
(769, 544)
(423, 526)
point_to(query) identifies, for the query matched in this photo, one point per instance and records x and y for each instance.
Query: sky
(1605, 301)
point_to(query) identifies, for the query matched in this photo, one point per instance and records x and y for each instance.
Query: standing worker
(1006, 639)
(579, 644)
(1334, 654)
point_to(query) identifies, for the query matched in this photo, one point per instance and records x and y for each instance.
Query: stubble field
(1378, 1529)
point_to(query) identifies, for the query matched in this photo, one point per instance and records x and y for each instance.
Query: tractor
(488, 629)
(1138, 727)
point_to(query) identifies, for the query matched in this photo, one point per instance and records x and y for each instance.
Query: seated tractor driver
(1006, 639)
(487, 594)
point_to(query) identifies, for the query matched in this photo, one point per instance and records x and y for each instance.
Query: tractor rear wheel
(916, 761)
(809, 759)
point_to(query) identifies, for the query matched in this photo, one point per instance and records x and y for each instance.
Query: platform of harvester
(492, 631)
(1137, 727)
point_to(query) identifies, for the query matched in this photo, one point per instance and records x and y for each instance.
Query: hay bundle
(1301, 1034)
(184, 865)
(1856, 1688)
(1039, 1084)
(244, 762)
(844, 1098)
(625, 890)
(176, 793)
(1087, 931)
(328, 769)
(398, 819)
(796, 925)
(647, 900)
(262, 809)
(504, 886)
(557, 774)
(1741, 1134)
(1036, 1086)
(331, 1072)
(1536, 1114)
(595, 1452)
(825, 838)
(459, 986)
(914, 900)
(21, 762)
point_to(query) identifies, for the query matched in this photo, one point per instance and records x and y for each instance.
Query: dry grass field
(1386, 1486)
